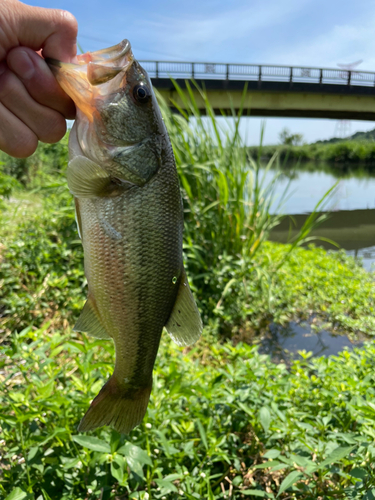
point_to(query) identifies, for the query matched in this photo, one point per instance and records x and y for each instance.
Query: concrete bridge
(271, 90)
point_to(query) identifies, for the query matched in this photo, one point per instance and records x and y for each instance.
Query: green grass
(221, 419)
(223, 422)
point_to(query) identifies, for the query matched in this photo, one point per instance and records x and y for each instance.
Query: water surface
(351, 223)
(282, 343)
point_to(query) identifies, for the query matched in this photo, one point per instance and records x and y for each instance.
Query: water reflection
(353, 230)
(366, 255)
(356, 188)
(351, 223)
(283, 343)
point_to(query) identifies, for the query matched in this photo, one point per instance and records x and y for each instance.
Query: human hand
(32, 104)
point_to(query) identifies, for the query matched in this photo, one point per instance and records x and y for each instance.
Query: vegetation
(289, 139)
(357, 136)
(338, 154)
(223, 422)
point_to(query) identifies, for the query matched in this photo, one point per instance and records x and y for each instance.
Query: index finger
(53, 30)
(39, 81)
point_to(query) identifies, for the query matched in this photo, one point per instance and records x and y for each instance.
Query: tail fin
(120, 408)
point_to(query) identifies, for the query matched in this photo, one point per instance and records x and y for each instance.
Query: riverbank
(41, 278)
(218, 410)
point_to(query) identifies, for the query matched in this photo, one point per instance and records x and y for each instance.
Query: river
(351, 224)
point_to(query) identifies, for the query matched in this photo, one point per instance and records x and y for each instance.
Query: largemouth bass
(123, 177)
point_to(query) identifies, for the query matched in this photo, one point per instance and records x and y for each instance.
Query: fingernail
(22, 65)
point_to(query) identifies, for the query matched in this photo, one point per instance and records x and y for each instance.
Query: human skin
(33, 107)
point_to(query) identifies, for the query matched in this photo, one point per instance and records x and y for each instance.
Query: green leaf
(135, 457)
(246, 409)
(289, 481)
(265, 465)
(202, 433)
(45, 494)
(265, 418)
(272, 454)
(130, 450)
(92, 443)
(135, 466)
(165, 486)
(359, 473)
(17, 494)
(117, 469)
(255, 493)
(337, 454)
(68, 464)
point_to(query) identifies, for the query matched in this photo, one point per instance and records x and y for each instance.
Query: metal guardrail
(224, 71)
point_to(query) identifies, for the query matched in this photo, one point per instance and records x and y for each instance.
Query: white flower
(156, 451)
(180, 492)
(186, 473)
(148, 426)
(203, 474)
(89, 491)
(147, 496)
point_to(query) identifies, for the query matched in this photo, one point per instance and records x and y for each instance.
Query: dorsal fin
(184, 324)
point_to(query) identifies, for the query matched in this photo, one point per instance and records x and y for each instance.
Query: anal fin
(89, 321)
(184, 324)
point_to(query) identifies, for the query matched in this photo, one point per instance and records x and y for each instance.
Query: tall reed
(228, 198)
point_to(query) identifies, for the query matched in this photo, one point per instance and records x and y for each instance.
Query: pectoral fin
(184, 324)
(86, 179)
(89, 321)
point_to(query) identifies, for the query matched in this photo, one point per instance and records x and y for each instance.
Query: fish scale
(123, 176)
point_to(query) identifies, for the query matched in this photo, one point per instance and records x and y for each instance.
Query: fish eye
(141, 93)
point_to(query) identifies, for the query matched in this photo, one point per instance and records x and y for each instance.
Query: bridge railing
(223, 71)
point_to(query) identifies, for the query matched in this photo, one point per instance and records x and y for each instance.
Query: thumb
(53, 30)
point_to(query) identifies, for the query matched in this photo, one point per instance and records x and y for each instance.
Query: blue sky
(292, 32)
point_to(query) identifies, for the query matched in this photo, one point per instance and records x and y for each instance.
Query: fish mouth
(94, 75)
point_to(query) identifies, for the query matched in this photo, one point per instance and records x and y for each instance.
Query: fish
(129, 213)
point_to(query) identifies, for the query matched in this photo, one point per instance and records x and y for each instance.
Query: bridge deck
(272, 90)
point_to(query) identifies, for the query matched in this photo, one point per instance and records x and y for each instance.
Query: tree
(290, 139)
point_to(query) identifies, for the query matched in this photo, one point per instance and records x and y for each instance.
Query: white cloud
(226, 29)
(344, 43)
